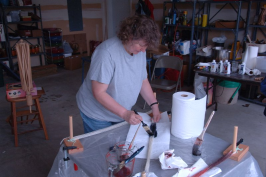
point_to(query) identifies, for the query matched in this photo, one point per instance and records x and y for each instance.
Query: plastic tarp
(91, 162)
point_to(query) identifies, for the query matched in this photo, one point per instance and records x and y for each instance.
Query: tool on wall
(199, 140)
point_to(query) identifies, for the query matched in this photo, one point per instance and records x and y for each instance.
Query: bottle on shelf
(225, 66)
(185, 18)
(196, 20)
(200, 17)
(174, 17)
(228, 68)
(242, 69)
(221, 66)
(213, 66)
(170, 16)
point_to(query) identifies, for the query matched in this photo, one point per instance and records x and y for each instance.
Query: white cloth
(197, 167)
(169, 161)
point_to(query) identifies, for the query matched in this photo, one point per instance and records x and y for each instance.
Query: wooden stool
(37, 113)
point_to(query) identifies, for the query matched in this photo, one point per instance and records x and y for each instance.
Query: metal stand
(65, 149)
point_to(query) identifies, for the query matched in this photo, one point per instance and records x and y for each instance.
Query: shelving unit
(255, 27)
(203, 7)
(11, 27)
(54, 45)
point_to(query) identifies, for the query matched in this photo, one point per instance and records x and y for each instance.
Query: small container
(228, 68)
(221, 66)
(213, 66)
(37, 49)
(225, 66)
(32, 49)
(234, 66)
(13, 52)
(242, 69)
(185, 18)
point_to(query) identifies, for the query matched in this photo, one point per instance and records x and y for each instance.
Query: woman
(117, 75)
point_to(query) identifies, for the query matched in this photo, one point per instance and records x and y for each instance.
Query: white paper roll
(251, 56)
(188, 115)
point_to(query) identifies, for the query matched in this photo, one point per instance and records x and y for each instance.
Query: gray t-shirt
(124, 74)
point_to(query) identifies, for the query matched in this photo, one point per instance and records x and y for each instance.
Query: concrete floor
(35, 155)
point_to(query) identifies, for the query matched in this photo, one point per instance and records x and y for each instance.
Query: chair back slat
(169, 62)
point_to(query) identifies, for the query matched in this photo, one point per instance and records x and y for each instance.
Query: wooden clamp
(70, 142)
(238, 154)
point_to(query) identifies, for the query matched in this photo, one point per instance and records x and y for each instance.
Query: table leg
(207, 91)
(214, 94)
(14, 123)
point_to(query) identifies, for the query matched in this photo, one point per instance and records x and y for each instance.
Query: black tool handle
(140, 120)
(136, 112)
(239, 142)
(134, 155)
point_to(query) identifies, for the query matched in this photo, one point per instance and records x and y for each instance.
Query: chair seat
(163, 84)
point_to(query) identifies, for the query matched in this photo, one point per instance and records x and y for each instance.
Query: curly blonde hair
(139, 27)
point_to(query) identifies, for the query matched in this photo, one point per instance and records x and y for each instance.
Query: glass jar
(32, 49)
(13, 52)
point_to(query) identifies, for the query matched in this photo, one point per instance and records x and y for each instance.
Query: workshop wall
(55, 15)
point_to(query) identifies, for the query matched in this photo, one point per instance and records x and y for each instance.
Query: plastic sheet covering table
(91, 162)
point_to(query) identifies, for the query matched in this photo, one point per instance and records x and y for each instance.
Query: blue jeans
(90, 124)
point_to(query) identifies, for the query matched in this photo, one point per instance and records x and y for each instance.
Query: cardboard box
(14, 90)
(73, 62)
(68, 38)
(41, 71)
(24, 32)
(25, 18)
(36, 33)
(228, 24)
(80, 37)
(159, 51)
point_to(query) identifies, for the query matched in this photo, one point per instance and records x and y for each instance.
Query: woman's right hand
(131, 117)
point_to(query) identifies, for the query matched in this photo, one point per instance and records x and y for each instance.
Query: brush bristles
(148, 130)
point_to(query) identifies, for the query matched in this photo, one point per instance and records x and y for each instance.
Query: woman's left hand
(156, 113)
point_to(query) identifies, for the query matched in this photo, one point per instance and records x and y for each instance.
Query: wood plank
(84, 6)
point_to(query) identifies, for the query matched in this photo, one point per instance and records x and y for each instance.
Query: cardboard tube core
(184, 95)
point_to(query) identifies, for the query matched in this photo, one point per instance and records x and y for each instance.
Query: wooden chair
(30, 116)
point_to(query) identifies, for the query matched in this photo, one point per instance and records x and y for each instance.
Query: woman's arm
(100, 94)
(147, 94)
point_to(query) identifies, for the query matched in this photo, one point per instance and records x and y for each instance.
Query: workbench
(235, 77)
(91, 162)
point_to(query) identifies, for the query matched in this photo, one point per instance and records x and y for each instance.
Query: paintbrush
(145, 126)
(223, 158)
(124, 162)
(132, 141)
(147, 166)
(199, 140)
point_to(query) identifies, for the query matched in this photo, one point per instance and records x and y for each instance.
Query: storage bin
(55, 50)
(261, 64)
